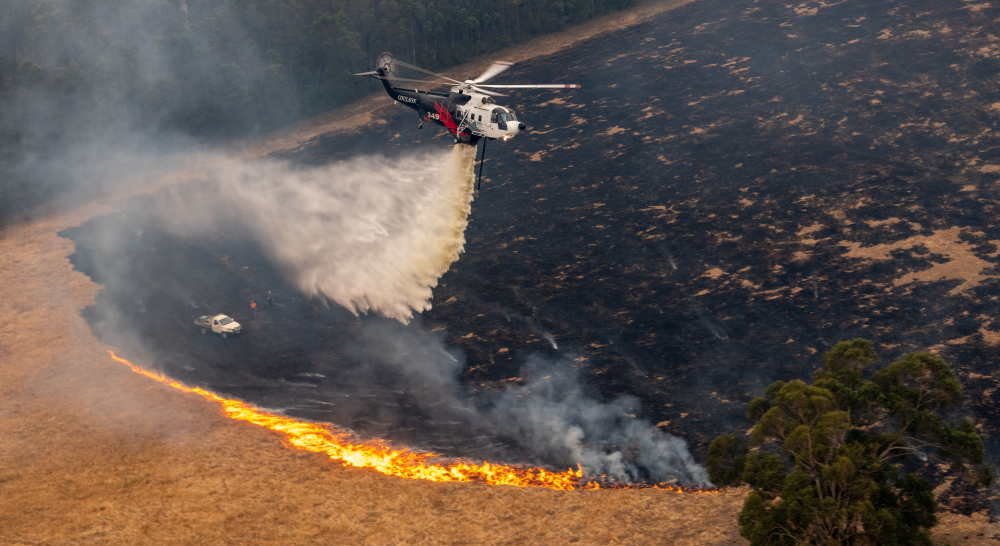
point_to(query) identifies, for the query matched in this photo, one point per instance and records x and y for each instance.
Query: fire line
(379, 456)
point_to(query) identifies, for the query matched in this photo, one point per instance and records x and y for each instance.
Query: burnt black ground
(682, 226)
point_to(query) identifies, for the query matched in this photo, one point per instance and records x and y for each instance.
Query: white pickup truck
(220, 324)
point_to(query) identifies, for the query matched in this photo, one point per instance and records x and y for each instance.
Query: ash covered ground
(738, 186)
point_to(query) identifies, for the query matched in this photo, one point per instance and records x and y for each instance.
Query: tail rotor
(387, 63)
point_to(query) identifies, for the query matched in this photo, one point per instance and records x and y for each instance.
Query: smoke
(550, 418)
(554, 416)
(717, 332)
(546, 335)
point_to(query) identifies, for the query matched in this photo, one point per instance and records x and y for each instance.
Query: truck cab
(223, 325)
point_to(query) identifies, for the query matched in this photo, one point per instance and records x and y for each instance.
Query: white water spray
(371, 234)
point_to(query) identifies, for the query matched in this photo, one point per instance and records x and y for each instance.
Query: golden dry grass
(94, 454)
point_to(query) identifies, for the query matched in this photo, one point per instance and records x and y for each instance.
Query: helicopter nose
(521, 126)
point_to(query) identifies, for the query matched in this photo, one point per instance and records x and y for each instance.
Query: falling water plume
(371, 234)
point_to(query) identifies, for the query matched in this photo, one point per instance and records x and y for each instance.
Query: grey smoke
(551, 416)
(703, 319)
(546, 335)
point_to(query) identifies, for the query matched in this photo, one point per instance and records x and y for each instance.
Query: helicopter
(467, 110)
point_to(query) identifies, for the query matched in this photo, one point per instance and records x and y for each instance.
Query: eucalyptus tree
(824, 460)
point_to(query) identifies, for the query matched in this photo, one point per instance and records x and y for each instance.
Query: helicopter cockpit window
(510, 115)
(499, 116)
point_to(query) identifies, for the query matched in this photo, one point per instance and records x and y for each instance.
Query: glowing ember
(340, 446)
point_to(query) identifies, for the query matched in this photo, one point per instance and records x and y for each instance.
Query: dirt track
(93, 453)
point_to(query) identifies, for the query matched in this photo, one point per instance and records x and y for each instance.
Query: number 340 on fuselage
(467, 110)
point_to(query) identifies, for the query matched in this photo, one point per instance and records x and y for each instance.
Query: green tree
(823, 460)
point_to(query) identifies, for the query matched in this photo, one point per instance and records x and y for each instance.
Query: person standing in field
(253, 308)
(270, 299)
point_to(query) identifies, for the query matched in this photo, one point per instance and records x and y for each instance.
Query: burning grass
(339, 445)
(377, 455)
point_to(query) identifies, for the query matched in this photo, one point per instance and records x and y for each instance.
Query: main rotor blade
(393, 80)
(496, 68)
(407, 65)
(538, 86)
(485, 92)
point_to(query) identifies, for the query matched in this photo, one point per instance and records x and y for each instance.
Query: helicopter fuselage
(468, 115)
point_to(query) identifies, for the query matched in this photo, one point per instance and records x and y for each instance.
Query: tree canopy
(827, 462)
(225, 67)
(95, 70)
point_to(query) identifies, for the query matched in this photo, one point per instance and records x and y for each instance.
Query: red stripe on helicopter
(446, 118)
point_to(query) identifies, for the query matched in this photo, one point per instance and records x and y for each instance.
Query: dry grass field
(91, 453)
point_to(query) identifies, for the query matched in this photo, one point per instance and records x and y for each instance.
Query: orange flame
(377, 455)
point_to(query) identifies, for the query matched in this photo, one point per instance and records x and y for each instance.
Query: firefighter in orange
(253, 308)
